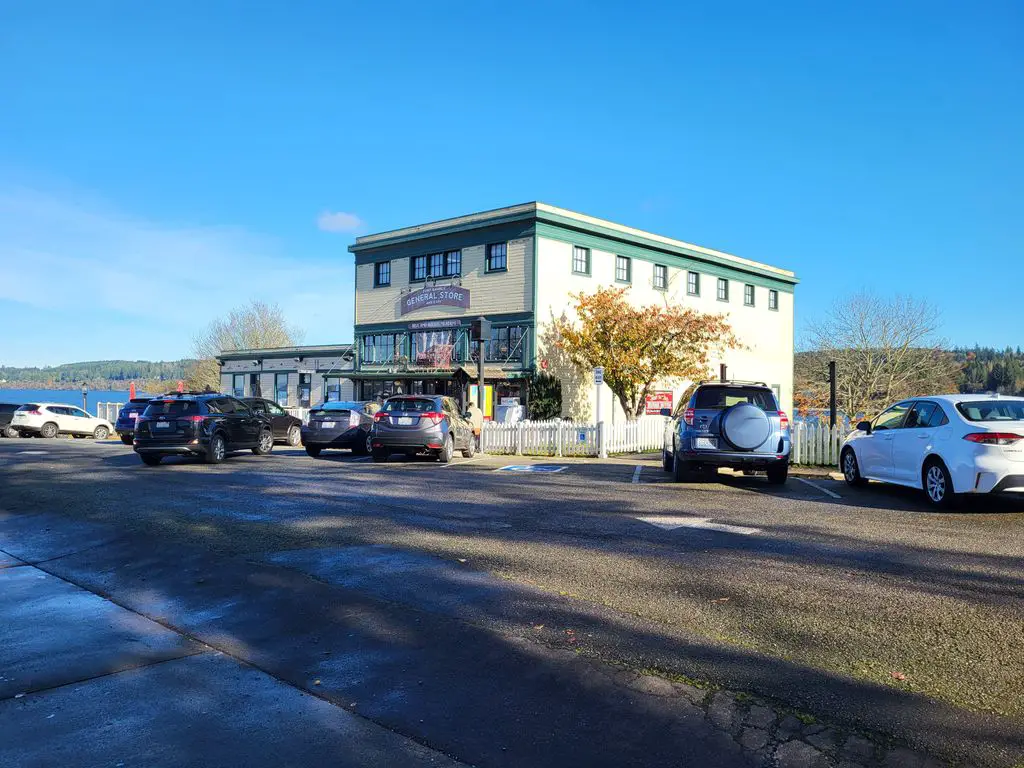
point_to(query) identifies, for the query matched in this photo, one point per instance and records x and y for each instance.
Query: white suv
(51, 419)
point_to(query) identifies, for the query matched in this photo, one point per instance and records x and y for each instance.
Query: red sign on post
(656, 401)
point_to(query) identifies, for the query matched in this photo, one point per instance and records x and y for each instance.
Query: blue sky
(163, 162)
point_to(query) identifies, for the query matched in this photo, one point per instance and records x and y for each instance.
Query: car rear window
(29, 407)
(414, 404)
(720, 398)
(992, 410)
(8, 408)
(337, 405)
(172, 408)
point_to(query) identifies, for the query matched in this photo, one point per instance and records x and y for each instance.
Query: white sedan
(945, 445)
(51, 419)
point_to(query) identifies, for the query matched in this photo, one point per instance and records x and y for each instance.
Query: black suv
(6, 414)
(200, 424)
(127, 416)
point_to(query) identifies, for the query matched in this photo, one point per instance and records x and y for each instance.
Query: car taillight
(688, 416)
(783, 419)
(380, 416)
(994, 438)
(353, 419)
(194, 419)
(434, 416)
(34, 413)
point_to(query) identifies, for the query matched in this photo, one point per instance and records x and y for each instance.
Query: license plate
(163, 425)
(327, 425)
(706, 443)
(405, 421)
(133, 416)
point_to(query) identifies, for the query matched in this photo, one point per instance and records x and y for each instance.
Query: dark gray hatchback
(412, 424)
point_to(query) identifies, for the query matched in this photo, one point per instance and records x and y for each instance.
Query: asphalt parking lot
(857, 610)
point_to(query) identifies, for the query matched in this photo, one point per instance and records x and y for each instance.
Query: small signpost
(598, 381)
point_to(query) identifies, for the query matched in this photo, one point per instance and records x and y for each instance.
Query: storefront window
(305, 389)
(435, 348)
(380, 348)
(281, 388)
(238, 385)
(332, 389)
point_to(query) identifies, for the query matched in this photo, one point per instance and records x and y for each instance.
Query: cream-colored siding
(490, 293)
(766, 336)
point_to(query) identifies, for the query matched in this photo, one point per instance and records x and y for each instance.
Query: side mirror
(666, 411)
(864, 426)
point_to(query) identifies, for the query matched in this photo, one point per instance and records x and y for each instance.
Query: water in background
(69, 396)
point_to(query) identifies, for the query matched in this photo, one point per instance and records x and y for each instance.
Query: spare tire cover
(745, 426)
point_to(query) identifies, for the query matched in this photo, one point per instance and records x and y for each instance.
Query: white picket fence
(817, 444)
(108, 411)
(812, 443)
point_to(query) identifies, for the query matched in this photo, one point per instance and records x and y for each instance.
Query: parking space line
(636, 473)
(460, 463)
(361, 458)
(814, 485)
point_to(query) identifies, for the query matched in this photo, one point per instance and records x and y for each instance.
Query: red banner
(656, 401)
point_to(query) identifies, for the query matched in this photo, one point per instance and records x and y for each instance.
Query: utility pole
(832, 394)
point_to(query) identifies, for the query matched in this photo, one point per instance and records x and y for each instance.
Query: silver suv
(728, 424)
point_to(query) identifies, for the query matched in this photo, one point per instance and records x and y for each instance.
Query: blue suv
(728, 424)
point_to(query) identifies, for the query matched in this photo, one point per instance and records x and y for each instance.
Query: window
(436, 348)
(381, 274)
(623, 269)
(281, 388)
(693, 283)
(238, 385)
(939, 418)
(892, 418)
(497, 257)
(305, 389)
(171, 408)
(773, 300)
(436, 265)
(419, 268)
(717, 398)
(660, 277)
(380, 348)
(723, 289)
(506, 345)
(920, 416)
(992, 410)
(453, 263)
(332, 389)
(274, 409)
(580, 260)
(748, 295)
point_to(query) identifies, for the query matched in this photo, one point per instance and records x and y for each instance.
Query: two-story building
(418, 289)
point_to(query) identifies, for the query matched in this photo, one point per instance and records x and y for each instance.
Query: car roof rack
(733, 381)
(187, 393)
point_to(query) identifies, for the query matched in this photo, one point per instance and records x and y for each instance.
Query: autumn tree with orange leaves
(641, 346)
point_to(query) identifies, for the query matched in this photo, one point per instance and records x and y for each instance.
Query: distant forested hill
(991, 370)
(99, 374)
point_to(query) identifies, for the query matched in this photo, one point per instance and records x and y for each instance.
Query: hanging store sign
(445, 296)
(426, 325)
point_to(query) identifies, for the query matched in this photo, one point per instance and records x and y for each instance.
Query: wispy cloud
(67, 252)
(339, 221)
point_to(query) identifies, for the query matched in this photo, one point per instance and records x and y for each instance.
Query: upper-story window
(436, 261)
(381, 274)
(773, 300)
(623, 269)
(748, 295)
(453, 263)
(723, 289)
(660, 277)
(693, 283)
(497, 257)
(580, 260)
(419, 268)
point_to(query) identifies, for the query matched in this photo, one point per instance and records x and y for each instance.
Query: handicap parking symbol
(532, 468)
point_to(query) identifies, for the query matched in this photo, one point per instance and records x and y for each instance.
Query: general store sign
(429, 325)
(656, 401)
(444, 296)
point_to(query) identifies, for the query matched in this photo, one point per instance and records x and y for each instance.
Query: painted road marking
(532, 468)
(818, 487)
(460, 463)
(671, 523)
(636, 473)
(32, 453)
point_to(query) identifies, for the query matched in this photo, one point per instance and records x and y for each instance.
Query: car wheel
(48, 430)
(312, 450)
(666, 460)
(778, 472)
(447, 450)
(10, 432)
(101, 433)
(294, 438)
(150, 459)
(938, 485)
(217, 451)
(851, 469)
(681, 470)
(380, 456)
(266, 443)
(470, 450)
(126, 440)
(364, 447)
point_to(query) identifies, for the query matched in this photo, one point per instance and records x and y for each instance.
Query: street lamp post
(85, 398)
